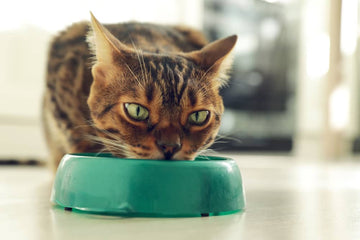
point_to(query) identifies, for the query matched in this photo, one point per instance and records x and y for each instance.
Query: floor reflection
(92, 226)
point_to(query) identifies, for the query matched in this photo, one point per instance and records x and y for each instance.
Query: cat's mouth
(155, 150)
(152, 154)
(156, 155)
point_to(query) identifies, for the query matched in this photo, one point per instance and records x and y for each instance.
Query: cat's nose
(169, 149)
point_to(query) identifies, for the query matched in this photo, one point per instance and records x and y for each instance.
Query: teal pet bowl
(101, 183)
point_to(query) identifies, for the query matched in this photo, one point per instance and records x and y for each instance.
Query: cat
(136, 90)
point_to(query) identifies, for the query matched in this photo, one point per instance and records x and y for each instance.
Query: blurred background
(294, 88)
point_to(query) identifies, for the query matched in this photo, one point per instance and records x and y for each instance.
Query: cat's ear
(103, 44)
(216, 58)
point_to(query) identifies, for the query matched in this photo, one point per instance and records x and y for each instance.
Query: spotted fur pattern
(94, 70)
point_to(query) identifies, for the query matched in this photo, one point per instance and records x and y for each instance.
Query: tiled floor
(285, 200)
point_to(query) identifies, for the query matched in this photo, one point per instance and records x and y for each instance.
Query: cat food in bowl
(101, 183)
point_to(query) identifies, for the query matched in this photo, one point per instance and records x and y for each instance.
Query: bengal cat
(135, 90)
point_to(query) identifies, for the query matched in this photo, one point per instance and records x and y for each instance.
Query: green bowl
(101, 183)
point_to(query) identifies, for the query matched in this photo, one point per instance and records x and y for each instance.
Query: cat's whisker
(115, 143)
(115, 146)
(207, 152)
(204, 75)
(133, 74)
(112, 135)
(227, 137)
(144, 66)
(219, 141)
(81, 126)
(107, 142)
(140, 60)
(89, 123)
(104, 149)
(141, 65)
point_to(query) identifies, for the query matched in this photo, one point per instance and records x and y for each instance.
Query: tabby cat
(135, 90)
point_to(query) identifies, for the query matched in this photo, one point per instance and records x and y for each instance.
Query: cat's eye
(136, 111)
(199, 117)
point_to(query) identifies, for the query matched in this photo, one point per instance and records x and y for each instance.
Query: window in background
(260, 99)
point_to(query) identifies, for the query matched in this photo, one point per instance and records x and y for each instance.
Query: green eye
(199, 118)
(136, 111)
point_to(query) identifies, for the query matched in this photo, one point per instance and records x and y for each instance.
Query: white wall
(314, 53)
(328, 86)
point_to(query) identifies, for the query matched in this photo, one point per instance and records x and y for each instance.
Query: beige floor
(285, 200)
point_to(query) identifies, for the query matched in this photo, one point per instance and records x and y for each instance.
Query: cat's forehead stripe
(192, 96)
(171, 75)
(149, 92)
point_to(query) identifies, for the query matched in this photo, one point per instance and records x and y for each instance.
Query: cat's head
(156, 106)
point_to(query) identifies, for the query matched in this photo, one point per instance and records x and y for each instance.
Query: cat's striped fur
(168, 72)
